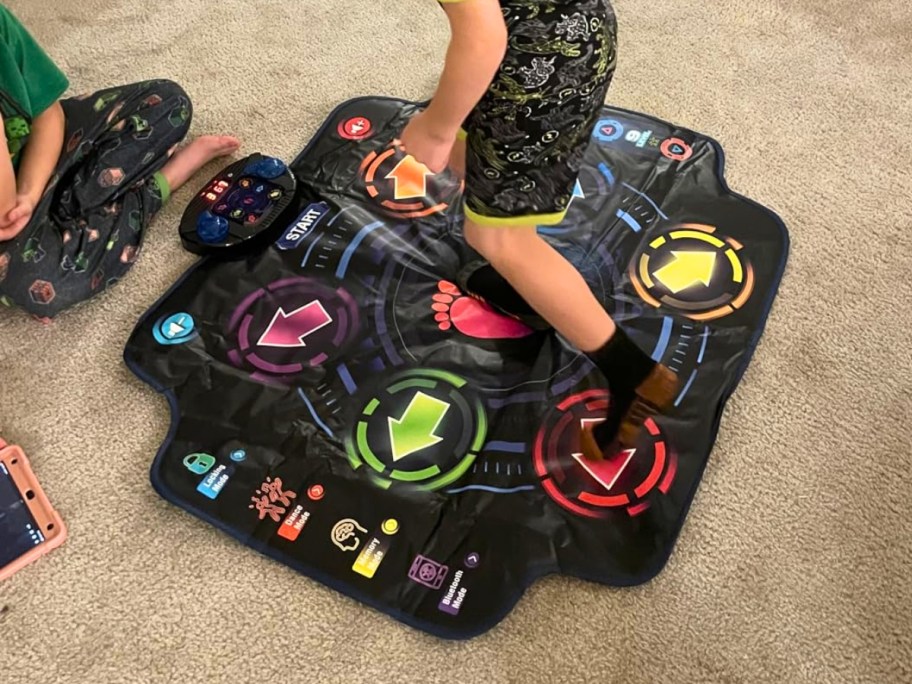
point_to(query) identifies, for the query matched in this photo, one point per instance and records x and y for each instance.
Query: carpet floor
(794, 563)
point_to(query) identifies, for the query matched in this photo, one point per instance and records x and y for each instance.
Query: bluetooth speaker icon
(427, 572)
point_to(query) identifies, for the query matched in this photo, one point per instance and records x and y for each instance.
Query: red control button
(251, 218)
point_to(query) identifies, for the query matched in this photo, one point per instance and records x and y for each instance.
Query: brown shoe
(654, 395)
(588, 444)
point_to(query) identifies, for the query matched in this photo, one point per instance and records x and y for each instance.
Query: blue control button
(268, 167)
(211, 229)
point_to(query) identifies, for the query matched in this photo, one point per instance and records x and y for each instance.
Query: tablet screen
(18, 530)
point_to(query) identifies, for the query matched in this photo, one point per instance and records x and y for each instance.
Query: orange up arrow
(410, 178)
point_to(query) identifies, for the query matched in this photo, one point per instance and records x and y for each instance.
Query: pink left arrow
(289, 329)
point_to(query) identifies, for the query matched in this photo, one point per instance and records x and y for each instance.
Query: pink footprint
(472, 317)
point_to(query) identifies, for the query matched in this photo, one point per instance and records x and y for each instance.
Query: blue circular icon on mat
(608, 130)
(175, 329)
(238, 455)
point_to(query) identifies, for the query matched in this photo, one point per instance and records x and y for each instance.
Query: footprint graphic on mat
(472, 317)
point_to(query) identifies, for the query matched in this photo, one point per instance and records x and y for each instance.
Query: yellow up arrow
(686, 269)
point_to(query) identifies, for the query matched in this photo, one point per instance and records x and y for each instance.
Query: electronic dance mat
(339, 405)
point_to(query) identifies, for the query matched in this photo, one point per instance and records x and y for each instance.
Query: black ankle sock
(623, 363)
(488, 284)
(625, 366)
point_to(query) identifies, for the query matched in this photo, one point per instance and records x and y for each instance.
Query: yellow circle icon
(390, 526)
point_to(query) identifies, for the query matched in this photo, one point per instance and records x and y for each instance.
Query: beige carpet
(794, 565)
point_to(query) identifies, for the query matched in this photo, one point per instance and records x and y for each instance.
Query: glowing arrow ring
(649, 470)
(378, 173)
(256, 314)
(462, 432)
(728, 288)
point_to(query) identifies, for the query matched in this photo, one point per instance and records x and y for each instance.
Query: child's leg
(190, 159)
(127, 135)
(117, 138)
(563, 298)
(557, 292)
(31, 275)
(457, 163)
(89, 227)
(527, 140)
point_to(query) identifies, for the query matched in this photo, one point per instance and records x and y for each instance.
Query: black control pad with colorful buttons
(241, 209)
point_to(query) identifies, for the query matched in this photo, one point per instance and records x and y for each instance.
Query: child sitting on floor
(80, 179)
(521, 90)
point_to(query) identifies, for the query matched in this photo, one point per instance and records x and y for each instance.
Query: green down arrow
(415, 430)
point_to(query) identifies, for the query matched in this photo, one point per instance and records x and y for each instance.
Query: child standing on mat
(521, 91)
(80, 179)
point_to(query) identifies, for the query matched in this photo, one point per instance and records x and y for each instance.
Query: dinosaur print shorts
(527, 137)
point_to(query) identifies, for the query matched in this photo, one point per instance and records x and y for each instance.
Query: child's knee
(167, 89)
(174, 98)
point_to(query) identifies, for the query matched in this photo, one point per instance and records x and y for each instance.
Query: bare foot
(190, 159)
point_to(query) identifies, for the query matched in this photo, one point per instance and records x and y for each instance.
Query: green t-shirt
(29, 81)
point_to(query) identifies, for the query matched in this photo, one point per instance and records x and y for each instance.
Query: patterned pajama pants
(88, 228)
